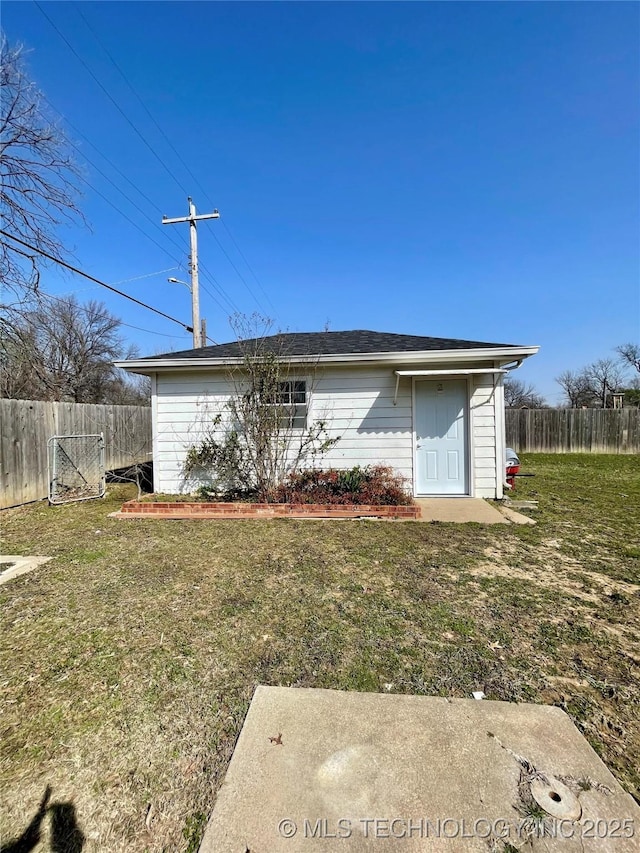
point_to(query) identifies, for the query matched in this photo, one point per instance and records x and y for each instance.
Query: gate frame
(51, 460)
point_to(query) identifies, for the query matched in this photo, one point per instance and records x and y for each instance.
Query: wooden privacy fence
(26, 426)
(573, 430)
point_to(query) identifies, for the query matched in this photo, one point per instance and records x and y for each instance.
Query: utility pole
(192, 218)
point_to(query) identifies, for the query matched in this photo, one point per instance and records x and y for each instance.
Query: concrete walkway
(459, 510)
(13, 565)
(323, 770)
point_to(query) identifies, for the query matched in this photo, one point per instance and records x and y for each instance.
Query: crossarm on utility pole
(214, 215)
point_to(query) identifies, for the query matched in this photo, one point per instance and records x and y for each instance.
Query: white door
(441, 437)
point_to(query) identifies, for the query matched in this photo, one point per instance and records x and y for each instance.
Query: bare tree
(38, 181)
(18, 379)
(65, 351)
(125, 389)
(630, 355)
(577, 388)
(605, 377)
(518, 394)
(592, 385)
(264, 433)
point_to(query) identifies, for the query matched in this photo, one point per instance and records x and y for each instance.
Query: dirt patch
(547, 577)
(550, 575)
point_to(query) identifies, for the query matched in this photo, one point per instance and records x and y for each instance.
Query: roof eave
(503, 355)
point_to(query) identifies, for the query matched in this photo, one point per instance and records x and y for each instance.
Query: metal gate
(76, 468)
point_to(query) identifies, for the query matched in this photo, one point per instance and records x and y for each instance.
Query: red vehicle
(512, 467)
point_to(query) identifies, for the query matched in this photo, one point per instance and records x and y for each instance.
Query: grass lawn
(129, 660)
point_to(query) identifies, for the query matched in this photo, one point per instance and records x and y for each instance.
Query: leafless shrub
(264, 434)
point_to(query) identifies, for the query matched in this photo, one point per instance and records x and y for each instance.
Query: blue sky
(447, 169)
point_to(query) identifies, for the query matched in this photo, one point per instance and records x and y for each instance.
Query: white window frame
(291, 405)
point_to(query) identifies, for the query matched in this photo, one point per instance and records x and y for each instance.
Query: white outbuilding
(431, 408)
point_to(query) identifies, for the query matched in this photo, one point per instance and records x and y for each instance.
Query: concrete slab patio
(323, 770)
(459, 510)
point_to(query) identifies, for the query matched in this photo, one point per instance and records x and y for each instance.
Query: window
(292, 396)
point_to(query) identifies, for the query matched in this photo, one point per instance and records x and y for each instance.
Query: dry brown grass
(129, 660)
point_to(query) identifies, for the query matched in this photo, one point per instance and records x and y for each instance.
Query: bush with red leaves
(374, 484)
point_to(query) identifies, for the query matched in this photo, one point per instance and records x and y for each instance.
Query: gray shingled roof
(329, 343)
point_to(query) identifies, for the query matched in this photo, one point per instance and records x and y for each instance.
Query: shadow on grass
(66, 836)
(141, 474)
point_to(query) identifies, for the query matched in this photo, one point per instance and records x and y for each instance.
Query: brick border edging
(141, 509)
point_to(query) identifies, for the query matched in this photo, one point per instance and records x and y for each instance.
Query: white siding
(356, 402)
(483, 435)
(501, 440)
(185, 405)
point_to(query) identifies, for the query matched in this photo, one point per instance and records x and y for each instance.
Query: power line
(144, 140)
(180, 159)
(173, 240)
(125, 216)
(131, 87)
(148, 236)
(93, 278)
(121, 322)
(111, 98)
(148, 331)
(115, 186)
(240, 276)
(212, 296)
(102, 154)
(243, 256)
(214, 283)
(146, 275)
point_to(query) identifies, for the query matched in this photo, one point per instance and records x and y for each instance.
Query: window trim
(290, 406)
